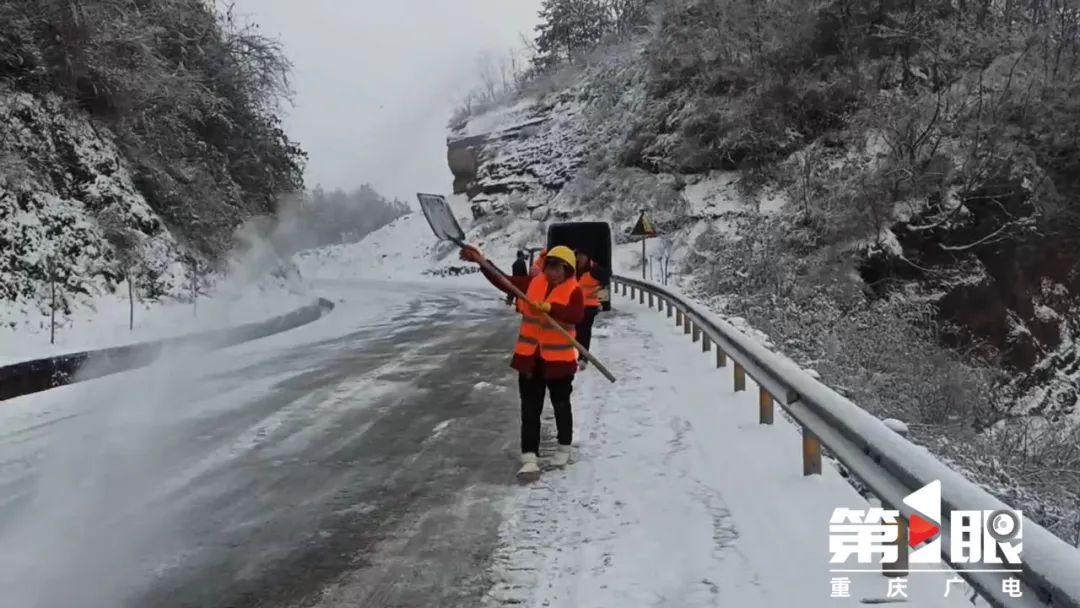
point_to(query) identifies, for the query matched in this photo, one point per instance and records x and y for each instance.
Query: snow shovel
(446, 228)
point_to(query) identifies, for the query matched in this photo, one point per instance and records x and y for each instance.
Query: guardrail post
(678, 318)
(650, 299)
(765, 406)
(623, 288)
(659, 303)
(740, 377)
(688, 325)
(811, 453)
(721, 357)
(670, 309)
(706, 344)
(899, 568)
(641, 295)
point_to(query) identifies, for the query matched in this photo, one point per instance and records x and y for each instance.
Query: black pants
(584, 329)
(532, 405)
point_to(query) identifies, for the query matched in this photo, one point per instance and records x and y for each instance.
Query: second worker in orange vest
(538, 265)
(591, 277)
(545, 360)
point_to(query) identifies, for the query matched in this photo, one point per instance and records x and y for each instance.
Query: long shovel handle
(559, 328)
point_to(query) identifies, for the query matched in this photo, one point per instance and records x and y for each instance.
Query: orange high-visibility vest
(535, 331)
(538, 265)
(590, 288)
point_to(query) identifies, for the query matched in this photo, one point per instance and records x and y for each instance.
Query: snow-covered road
(368, 459)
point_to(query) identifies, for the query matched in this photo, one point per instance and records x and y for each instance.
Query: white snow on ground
(717, 192)
(677, 496)
(407, 250)
(772, 202)
(108, 323)
(404, 249)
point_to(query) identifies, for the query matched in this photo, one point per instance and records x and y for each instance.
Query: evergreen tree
(568, 27)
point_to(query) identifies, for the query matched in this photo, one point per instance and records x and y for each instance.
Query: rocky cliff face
(532, 146)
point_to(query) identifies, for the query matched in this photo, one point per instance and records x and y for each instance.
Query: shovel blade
(440, 217)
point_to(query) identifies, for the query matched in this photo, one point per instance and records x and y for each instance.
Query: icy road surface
(356, 461)
(367, 460)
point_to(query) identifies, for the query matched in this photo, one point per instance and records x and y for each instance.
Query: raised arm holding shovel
(545, 355)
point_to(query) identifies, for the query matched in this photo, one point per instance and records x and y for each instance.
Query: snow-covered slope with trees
(134, 142)
(66, 189)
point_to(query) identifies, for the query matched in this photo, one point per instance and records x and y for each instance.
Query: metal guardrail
(889, 465)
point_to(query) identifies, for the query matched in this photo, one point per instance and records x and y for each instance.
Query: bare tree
(127, 249)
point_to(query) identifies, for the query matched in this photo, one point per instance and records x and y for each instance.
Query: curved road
(357, 461)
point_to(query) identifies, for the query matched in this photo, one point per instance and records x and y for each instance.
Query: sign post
(644, 230)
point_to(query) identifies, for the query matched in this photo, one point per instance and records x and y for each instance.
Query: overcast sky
(376, 81)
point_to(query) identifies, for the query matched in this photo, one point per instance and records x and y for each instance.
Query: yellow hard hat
(563, 254)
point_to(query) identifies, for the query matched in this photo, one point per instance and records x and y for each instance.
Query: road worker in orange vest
(544, 359)
(591, 277)
(538, 264)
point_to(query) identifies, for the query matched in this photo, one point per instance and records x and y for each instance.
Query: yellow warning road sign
(644, 227)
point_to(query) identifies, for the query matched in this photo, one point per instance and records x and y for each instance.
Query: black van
(594, 238)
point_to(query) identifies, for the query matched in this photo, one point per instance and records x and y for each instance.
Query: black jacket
(520, 268)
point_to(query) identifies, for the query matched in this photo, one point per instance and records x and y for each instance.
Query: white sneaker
(561, 456)
(529, 467)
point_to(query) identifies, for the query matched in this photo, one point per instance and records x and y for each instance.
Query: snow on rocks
(714, 193)
(496, 120)
(542, 153)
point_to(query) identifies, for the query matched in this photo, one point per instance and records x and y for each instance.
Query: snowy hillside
(133, 145)
(64, 184)
(66, 193)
